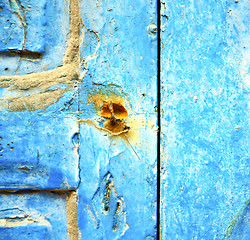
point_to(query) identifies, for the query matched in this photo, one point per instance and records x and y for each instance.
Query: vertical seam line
(158, 118)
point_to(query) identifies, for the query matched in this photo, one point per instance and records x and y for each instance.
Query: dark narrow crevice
(34, 191)
(81, 28)
(29, 55)
(79, 158)
(158, 118)
(79, 132)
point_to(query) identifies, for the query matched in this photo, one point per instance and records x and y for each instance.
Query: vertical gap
(158, 118)
(78, 114)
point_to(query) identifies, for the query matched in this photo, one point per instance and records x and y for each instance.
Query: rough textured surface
(78, 116)
(72, 215)
(34, 91)
(33, 35)
(78, 96)
(37, 215)
(39, 150)
(31, 155)
(205, 127)
(118, 172)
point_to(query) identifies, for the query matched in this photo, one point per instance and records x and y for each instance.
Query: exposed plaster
(32, 91)
(72, 214)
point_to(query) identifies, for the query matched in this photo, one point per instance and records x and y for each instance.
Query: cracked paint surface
(33, 216)
(78, 119)
(122, 70)
(78, 123)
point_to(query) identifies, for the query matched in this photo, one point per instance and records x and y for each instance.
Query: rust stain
(118, 123)
(115, 110)
(72, 214)
(112, 108)
(137, 123)
(99, 98)
(116, 126)
(112, 134)
(105, 111)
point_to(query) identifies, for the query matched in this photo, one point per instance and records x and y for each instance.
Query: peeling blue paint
(33, 216)
(72, 144)
(65, 146)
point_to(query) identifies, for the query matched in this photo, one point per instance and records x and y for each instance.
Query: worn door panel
(38, 99)
(117, 194)
(205, 124)
(39, 163)
(34, 35)
(37, 215)
(38, 152)
(78, 119)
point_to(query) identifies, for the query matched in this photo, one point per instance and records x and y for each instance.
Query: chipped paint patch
(109, 207)
(8, 223)
(15, 217)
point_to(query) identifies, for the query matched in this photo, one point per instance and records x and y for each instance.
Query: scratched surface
(117, 194)
(33, 216)
(77, 103)
(205, 123)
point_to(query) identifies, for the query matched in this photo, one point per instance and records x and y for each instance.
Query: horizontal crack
(34, 191)
(29, 55)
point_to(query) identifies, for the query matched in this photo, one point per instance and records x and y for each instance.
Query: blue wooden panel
(33, 35)
(205, 127)
(39, 149)
(38, 152)
(122, 195)
(79, 114)
(117, 194)
(33, 216)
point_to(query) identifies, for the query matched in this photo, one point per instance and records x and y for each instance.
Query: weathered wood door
(78, 119)
(205, 120)
(123, 119)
